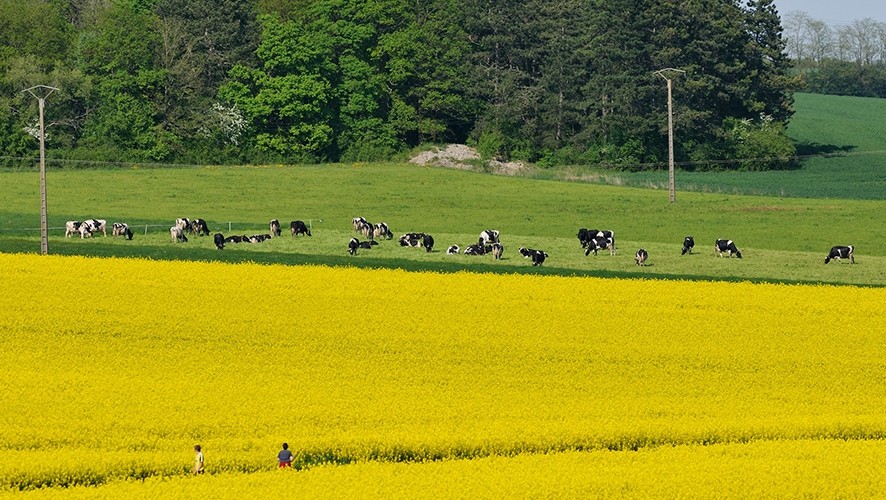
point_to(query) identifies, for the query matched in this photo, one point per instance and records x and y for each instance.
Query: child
(198, 460)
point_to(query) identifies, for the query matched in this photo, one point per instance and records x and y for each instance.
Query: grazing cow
(353, 245)
(358, 223)
(298, 227)
(84, 230)
(411, 239)
(428, 242)
(497, 250)
(275, 227)
(382, 231)
(641, 257)
(476, 249)
(71, 227)
(95, 225)
(121, 229)
(183, 223)
(688, 244)
(840, 252)
(600, 243)
(233, 239)
(726, 246)
(585, 236)
(199, 227)
(219, 241)
(452, 250)
(538, 256)
(177, 234)
(489, 236)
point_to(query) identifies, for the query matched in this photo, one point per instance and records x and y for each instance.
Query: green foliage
(762, 145)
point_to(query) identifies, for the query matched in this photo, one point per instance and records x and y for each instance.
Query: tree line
(233, 81)
(842, 60)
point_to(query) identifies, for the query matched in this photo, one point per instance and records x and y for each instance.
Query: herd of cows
(489, 241)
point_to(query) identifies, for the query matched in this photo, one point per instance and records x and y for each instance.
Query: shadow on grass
(363, 261)
(816, 149)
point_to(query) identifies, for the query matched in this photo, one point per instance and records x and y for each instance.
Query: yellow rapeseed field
(113, 369)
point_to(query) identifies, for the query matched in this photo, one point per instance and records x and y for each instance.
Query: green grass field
(782, 240)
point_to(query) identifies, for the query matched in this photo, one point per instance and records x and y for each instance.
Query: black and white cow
(537, 256)
(489, 236)
(177, 234)
(600, 243)
(428, 242)
(840, 252)
(476, 249)
(274, 226)
(234, 239)
(199, 227)
(353, 245)
(121, 229)
(585, 236)
(412, 240)
(368, 243)
(358, 223)
(452, 250)
(298, 227)
(183, 223)
(497, 250)
(71, 227)
(259, 238)
(95, 225)
(219, 240)
(381, 230)
(641, 256)
(727, 246)
(688, 244)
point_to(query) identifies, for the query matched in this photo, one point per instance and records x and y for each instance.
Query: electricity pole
(44, 91)
(662, 73)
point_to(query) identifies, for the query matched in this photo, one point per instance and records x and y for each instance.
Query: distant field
(848, 128)
(781, 239)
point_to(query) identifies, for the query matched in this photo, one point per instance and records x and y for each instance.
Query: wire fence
(231, 225)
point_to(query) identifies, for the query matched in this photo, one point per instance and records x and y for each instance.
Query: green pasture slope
(841, 143)
(782, 239)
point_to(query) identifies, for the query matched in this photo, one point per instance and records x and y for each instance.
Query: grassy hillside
(848, 129)
(781, 239)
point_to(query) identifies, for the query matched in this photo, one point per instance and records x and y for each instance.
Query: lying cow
(688, 244)
(219, 240)
(259, 238)
(199, 227)
(298, 227)
(840, 252)
(452, 250)
(411, 240)
(368, 244)
(274, 226)
(489, 236)
(235, 239)
(381, 230)
(728, 247)
(537, 256)
(641, 256)
(71, 227)
(177, 234)
(121, 229)
(478, 249)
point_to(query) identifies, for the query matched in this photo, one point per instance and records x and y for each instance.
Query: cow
(353, 245)
(367, 229)
(71, 227)
(95, 225)
(688, 244)
(537, 256)
(489, 236)
(840, 252)
(298, 227)
(121, 229)
(358, 223)
(452, 250)
(586, 236)
(368, 244)
(497, 250)
(476, 249)
(234, 239)
(641, 256)
(258, 238)
(84, 230)
(600, 243)
(199, 227)
(727, 246)
(382, 231)
(219, 240)
(183, 223)
(274, 226)
(177, 234)
(428, 242)
(411, 239)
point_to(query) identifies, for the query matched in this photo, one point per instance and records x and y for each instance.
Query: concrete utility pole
(44, 91)
(662, 73)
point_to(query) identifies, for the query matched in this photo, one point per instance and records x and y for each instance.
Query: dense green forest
(231, 81)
